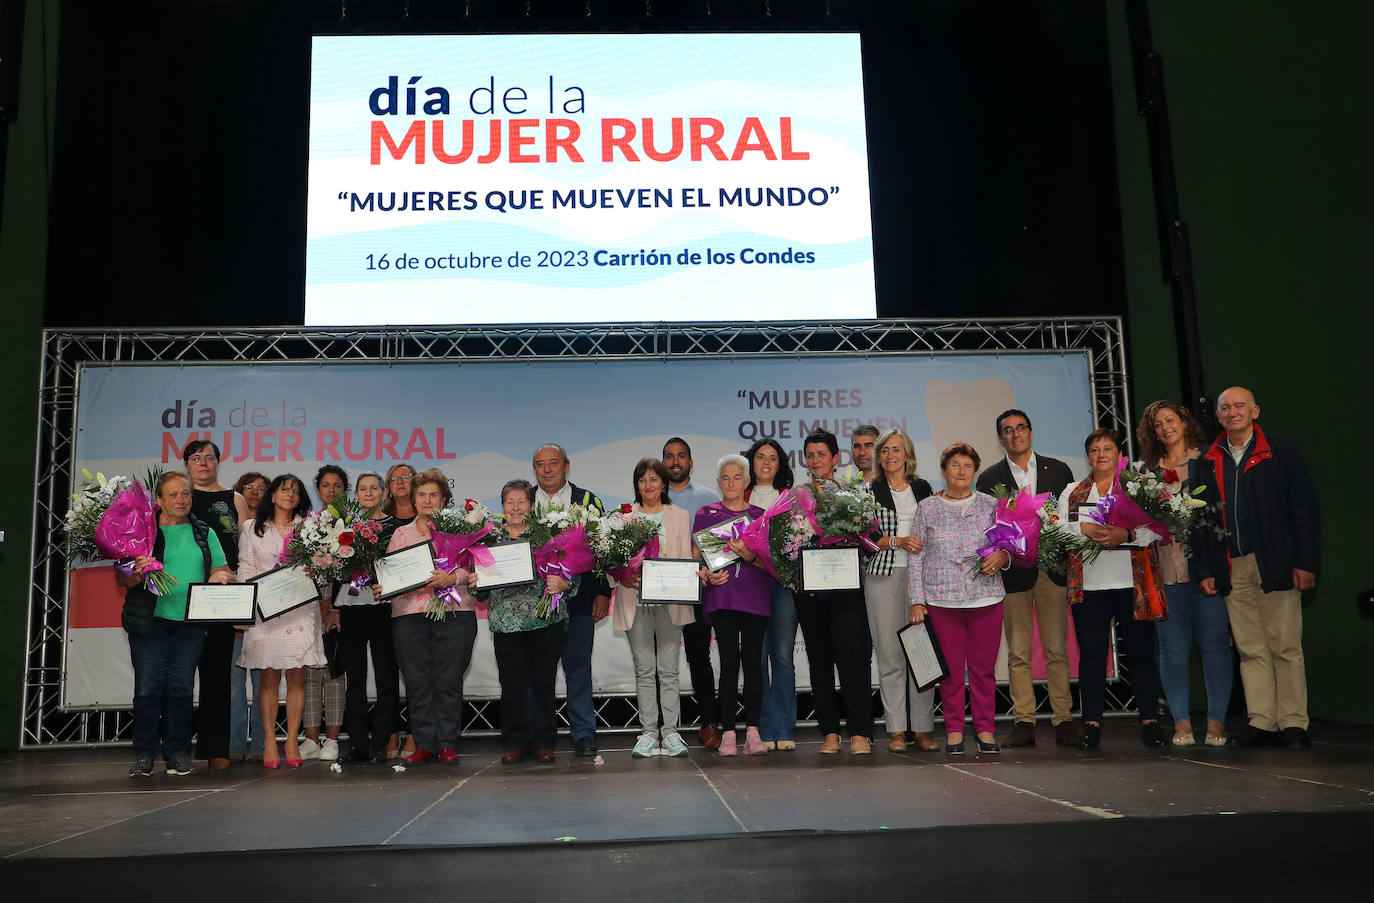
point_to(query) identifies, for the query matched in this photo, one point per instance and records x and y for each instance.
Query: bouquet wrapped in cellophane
(562, 547)
(339, 542)
(620, 542)
(116, 519)
(458, 536)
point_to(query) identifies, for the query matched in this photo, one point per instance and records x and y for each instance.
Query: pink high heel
(274, 764)
(294, 763)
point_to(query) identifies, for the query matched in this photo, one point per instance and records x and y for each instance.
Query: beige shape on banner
(966, 412)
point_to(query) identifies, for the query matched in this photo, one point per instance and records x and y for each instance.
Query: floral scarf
(1146, 577)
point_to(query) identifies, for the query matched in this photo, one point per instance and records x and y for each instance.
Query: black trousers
(1092, 622)
(835, 627)
(739, 636)
(527, 664)
(365, 626)
(212, 715)
(696, 641)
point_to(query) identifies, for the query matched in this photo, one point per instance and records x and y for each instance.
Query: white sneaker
(646, 745)
(309, 749)
(674, 745)
(329, 749)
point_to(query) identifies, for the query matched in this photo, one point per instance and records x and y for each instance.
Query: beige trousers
(1267, 628)
(1048, 603)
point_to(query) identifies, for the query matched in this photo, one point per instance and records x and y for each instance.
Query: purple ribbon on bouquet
(358, 582)
(731, 530)
(1101, 510)
(555, 569)
(126, 566)
(1004, 537)
(862, 540)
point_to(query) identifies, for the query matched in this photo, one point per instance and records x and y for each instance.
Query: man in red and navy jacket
(1269, 556)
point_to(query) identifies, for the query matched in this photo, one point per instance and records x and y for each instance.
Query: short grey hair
(735, 459)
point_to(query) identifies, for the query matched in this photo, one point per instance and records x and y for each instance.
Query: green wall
(1272, 134)
(23, 250)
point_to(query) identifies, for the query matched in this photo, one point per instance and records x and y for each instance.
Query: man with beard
(696, 636)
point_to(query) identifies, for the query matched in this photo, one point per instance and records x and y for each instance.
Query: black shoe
(358, 755)
(1254, 737)
(954, 748)
(1022, 734)
(1151, 735)
(1296, 738)
(1091, 737)
(988, 746)
(378, 758)
(584, 748)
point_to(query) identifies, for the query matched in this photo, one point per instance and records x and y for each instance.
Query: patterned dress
(292, 640)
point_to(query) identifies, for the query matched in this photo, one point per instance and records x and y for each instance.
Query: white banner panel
(555, 178)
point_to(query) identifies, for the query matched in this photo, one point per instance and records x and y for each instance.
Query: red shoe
(294, 763)
(448, 754)
(419, 756)
(276, 763)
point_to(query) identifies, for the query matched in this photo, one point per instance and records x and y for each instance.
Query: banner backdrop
(481, 423)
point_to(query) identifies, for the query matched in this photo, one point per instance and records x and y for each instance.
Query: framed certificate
(284, 589)
(513, 565)
(221, 603)
(704, 539)
(670, 580)
(405, 569)
(923, 655)
(825, 570)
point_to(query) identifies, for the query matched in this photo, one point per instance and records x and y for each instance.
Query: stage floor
(78, 804)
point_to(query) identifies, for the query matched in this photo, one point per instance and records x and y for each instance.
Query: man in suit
(1032, 594)
(587, 606)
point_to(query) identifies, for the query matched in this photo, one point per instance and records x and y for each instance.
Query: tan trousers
(1268, 631)
(1049, 603)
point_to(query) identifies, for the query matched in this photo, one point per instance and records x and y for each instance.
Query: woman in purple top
(736, 602)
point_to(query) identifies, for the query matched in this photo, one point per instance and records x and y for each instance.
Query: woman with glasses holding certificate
(433, 639)
(962, 603)
(290, 642)
(655, 629)
(527, 645)
(736, 602)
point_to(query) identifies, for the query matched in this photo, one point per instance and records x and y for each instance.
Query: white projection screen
(587, 178)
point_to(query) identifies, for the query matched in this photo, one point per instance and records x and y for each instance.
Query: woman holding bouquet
(1109, 587)
(163, 647)
(222, 509)
(769, 475)
(433, 648)
(963, 605)
(898, 491)
(655, 630)
(290, 643)
(527, 645)
(1170, 438)
(365, 623)
(835, 625)
(735, 603)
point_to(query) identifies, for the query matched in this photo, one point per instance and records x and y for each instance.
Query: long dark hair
(267, 509)
(783, 479)
(1152, 451)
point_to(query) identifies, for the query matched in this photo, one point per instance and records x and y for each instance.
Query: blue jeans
(244, 714)
(164, 661)
(779, 718)
(1194, 617)
(577, 674)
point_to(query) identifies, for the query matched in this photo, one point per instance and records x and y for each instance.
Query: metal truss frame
(45, 723)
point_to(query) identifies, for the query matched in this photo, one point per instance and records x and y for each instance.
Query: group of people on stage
(1243, 581)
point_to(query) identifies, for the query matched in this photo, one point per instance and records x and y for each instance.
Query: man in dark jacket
(589, 605)
(1033, 595)
(1269, 507)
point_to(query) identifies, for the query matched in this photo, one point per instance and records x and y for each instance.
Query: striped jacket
(880, 564)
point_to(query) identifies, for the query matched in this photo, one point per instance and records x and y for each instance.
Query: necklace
(950, 498)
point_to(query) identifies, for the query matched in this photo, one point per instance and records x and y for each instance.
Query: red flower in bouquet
(469, 504)
(346, 538)
(626, 508)
(1171, 476)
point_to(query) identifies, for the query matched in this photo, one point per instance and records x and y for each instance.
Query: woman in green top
(527, 647)
(163, 647)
